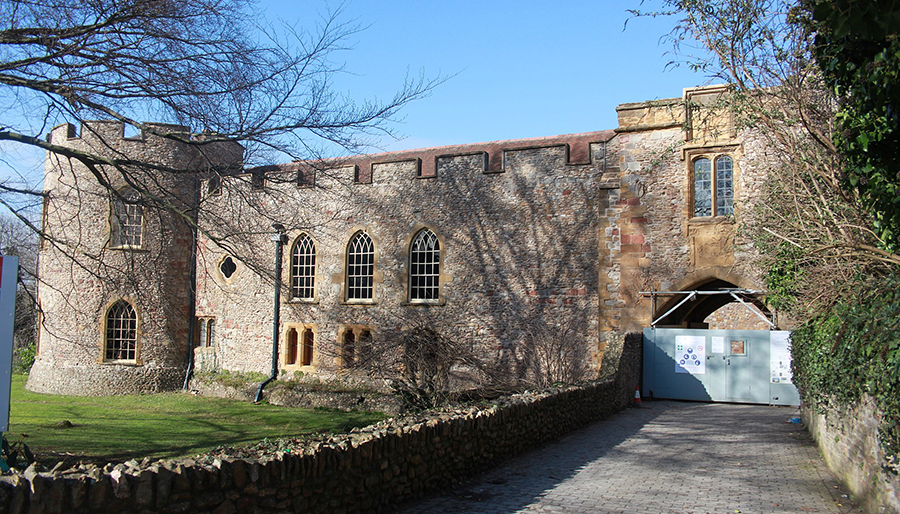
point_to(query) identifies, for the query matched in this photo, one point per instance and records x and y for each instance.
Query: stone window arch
(126, 219)
(303, 268)
(356, 346)
(300, 346)
(424, 267)
(121, 334)
(360, 268)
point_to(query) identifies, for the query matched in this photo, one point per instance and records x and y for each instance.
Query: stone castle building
(505, 246)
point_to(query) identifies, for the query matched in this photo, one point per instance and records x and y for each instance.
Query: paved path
(667, 457)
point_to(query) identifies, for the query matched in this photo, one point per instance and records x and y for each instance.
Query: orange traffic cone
(637, 397)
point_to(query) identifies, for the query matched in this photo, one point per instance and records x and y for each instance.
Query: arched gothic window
(121, 332)
(126, 219)
(306, 348)
(360, 267)
(713, 191)
(303, 268)
(424, 267)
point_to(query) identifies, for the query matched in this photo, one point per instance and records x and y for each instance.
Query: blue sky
(519, 69)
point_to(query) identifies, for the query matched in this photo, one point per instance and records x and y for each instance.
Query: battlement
(109, 130)
(153, 143)
(577, 149)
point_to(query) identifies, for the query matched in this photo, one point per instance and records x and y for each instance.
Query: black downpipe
(279, 239)
(192, 305)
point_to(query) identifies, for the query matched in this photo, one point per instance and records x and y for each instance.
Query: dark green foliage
(854, 349)
(857, 47)
(783, 273)
(24, 358)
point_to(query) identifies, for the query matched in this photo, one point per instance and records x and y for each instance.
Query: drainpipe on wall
(280, 239)
(192, 300)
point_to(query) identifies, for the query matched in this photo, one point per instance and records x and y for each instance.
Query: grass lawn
(119, 428)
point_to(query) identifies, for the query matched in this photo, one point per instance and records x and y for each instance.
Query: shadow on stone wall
(849, 441)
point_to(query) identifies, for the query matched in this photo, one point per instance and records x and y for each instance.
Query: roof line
(577, 153)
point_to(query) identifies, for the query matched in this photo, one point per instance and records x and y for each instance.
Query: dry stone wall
(368, 470)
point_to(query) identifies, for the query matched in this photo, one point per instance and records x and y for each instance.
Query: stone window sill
(712, 220)
(121, 362)
(303, 301)
(426, 303)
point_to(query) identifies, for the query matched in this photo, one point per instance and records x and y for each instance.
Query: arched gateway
(694, 300)
(686, 359)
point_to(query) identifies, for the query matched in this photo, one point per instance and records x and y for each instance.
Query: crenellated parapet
(584, 149)
(171, 146)
(107, 131)
(505, 244)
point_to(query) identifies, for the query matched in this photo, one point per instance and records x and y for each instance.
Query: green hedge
(852, 349)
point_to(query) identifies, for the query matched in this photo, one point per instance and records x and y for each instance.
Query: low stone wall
(850, 444)
(394, 461)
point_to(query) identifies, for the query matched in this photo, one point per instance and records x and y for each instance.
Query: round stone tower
(116, 259)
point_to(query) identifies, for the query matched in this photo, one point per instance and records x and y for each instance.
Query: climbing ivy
(854, 349)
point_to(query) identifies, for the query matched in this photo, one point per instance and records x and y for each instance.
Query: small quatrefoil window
(228, 267)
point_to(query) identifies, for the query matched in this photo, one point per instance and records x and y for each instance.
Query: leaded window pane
(303, 268)
(424, 266)
(121, 332)
(127, 218)
(724, 186)
(360, 267)
(702, 187)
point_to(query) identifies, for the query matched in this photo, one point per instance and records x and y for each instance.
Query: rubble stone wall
(849, 441)
(518, 248)
(544, 242)
(83, 274)
(382, 465)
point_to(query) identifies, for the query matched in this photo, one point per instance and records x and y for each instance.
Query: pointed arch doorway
(685, 359)
(691, 307)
